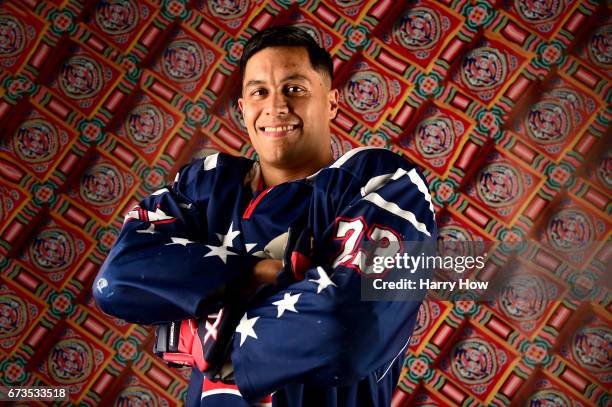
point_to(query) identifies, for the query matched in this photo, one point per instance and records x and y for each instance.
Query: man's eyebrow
(295, 76)
(254, 82)
(292, 77)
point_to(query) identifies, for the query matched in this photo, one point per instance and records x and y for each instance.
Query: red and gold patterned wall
(505, 104)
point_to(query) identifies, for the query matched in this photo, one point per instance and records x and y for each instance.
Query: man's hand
(266, 271)
(296, 260)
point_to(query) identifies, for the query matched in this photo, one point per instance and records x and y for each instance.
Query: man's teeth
(283, 128)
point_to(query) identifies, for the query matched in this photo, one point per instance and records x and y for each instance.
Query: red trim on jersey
(254, 202)
(299, 263)
(208, 384)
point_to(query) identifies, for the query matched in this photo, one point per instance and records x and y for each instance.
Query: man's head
(288, 36)
(287, 100)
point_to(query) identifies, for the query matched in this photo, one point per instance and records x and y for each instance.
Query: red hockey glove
(180, 343)
(203, 343)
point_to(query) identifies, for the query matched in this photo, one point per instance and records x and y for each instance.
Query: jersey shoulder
(212, 165)
(344, 180)
(195, 180)
(217, 161)
(366, 162)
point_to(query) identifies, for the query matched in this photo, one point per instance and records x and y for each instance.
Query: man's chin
(279, 161)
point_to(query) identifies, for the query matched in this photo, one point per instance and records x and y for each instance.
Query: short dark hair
(288, 36)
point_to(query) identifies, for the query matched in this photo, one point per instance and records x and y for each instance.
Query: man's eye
(258, 92)
(295, 89)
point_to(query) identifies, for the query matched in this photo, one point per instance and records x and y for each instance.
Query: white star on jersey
(227, 239)
(286, 304)
(219, 251)
(179, 240)
(245, 328)
(323, 281)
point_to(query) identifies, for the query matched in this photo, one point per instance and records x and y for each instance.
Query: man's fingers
(266, 270)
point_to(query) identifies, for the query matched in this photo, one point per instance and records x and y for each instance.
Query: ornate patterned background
(505, 104)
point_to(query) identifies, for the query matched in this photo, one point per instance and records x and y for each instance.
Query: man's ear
(240, 105)
(333, 96)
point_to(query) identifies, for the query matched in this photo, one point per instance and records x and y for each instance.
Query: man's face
(287, 107)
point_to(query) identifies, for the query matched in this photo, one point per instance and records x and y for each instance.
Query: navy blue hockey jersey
(313, 342)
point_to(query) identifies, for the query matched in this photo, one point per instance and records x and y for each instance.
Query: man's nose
(277, 104)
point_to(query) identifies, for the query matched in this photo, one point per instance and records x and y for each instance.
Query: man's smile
(278, 129)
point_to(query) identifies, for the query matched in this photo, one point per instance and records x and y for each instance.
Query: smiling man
(287, 106)
(252, 270)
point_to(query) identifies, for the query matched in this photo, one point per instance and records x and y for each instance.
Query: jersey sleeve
(318, 331)
(168, 263)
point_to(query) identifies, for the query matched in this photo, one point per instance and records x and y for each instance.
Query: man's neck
(273, 176)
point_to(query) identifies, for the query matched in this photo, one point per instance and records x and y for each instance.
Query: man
(227, 225)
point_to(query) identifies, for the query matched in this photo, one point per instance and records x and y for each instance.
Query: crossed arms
(177, 259)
